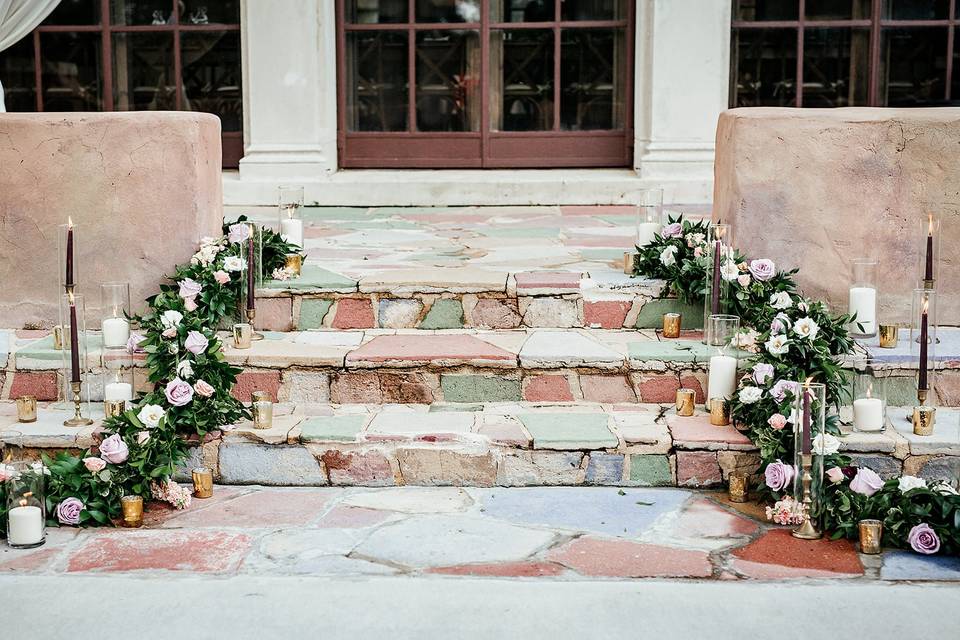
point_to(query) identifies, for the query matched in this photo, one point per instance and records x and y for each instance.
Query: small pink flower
(169, 333)
(672, 230)
(203, 389)
(698, 252)
(196, 342)
(867, 482)
(94, 464)
(143, 437)
(238, 232)
(68, 511)
(222, 277)
(190, 304)
(114, 450)
(743, 279)
(777, 421)
(133, 343)
(835, 474)
(178, 392)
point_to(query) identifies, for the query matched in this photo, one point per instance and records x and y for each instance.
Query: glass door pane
(838, 9)
(448, 80)
(141, 12)
(766, 68)
(19, 77)
(521, 95)
(766, 10)
(448, 10)
(916, 9)
(376, 11)
(913, 70)
(75, 13)
(206, 12)
(522, 11)
(211, 75)
(835, 67)
(593, 9)
(376, 81)
(71, 67)
(592, 79)
(143, 74)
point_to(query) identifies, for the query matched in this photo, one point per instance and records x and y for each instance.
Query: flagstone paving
(545, 534)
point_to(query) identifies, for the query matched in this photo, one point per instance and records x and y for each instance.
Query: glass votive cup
(685, 402)
(739, 486)
(889, 336)
(27, 409)
(719, 415)
(262, 414)
(11, 446)
(132, 511)
(671, 325)
(242, 335)
(871, 536)
(202, 482)
(114, 408)
(293, 262)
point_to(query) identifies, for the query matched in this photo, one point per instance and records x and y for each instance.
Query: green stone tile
(420, 211)
(312, 312)
(507, 231)
(443, 408)
(651, 314)
(473, 388)
(332, 428)
(567, 431)
(650, 471)
(321, 214)
(901, 391)
(604, 255)
(444, 314)
(42, 349)
(314, 277)
(360, 225)
(671, 350)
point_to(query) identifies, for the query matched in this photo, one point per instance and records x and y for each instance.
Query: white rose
(171, 319)
(729, 270)
(749, 395)
(781, 300)
(695, 239)
(746, 340)
(668, 256)
(234, 263)
(907, 483)
(777, 345)
(825, 444)
(944, 488)
(150, 415)
(185, 370)
(806, 328)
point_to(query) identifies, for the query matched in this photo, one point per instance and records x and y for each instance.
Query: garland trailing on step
(138, 451)
(793, 338)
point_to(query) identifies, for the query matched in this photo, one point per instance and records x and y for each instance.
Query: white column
(682, 80)
(289, 89)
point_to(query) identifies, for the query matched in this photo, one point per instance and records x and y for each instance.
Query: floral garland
(793, 338)
(139, 450)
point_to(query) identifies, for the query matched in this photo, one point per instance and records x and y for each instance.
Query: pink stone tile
(610, 389)
(698, 429)
(28, 560)
(270, 508)
(190, 551)
(591, 556)
(353, 314)
(156, 513)
(705, 519)
(347, 517)
(371, 468)
(42, 384)
(597, 210)
(698, 469)
(608, 314)
(250, 381)
(778, 554)
(502, 569)
(504, 431)
(659, 388)
(548, 280)
(626, 242)
(429, 348)
(547, 388)
(32, 334)
(274, 314)
(356, 388)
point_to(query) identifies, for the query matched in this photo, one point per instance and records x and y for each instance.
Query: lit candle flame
(930, 224)
(70, 222)
(926, 305)
(23, 502)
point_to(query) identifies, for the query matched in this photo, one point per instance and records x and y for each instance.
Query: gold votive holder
(628, 262)
(739, 486)
(242, 335)
(671, 325)
(719, 416)
(889, 335)
(924, 418)
(685, 402)
(293, 262)
(132, 511)
(262, 414)
(114, 408)
(871, 536)
(58, 338)
(27, 409)
(202, 483)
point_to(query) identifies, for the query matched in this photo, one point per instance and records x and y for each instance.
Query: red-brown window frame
(875, 23)
(232, 141)
(484, 148)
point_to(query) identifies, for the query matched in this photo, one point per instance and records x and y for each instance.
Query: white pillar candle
(292, 230)
(863, 302)
(646, 232)
(723, 377)
(118, 391)
(25, 525)
(116, 332)
(868, 414)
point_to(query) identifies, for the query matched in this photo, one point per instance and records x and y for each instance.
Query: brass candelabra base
(77, 420)
(251, 316)
(807, 530)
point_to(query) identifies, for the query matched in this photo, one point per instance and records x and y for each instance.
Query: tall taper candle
(923, 384)
(74, 344)
(251, 280)
(68, 278)
(928, 267)
(807, 436)
(715, 291)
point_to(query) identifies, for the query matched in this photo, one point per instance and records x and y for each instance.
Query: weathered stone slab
(554, 349)
(872, 173)
(126, 179)
(269, 465)
(566, 431)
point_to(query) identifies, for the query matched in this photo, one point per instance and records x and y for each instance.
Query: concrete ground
(463, 563)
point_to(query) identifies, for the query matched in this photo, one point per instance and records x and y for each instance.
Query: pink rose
(143, 437)
(238, 232)
(169, 333)
(190, 304)
(743, 279)
(133, 343)
(763, 269)
(203, 389)
(222, 277)
(672, 230)
(866, 482)
(94, 464)
(777, 421)
(114, 450)
(782, 387)
(778, 475)
(190, 288)
(698, 252)
(178, 392)
(835, 474)
(762, 373)
(924, 539)
(68, 511)
(196, 342)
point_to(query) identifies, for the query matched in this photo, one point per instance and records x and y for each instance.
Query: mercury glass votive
(671, 325)
(924, 419)
(719, 416)
(202, 482)
(293, 262)
(262, 414)
(739, 486)
(871, 536)
(889, 335)
(58, 338)
(685, 402)
(242, 335)
(114, 408)
(27, 409)
(132, 511)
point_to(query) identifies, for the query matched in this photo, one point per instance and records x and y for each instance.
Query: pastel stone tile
(906, 565)
(341, 428)
(669, 350)
(279, 433)
(533, 283)
(444, 314)
(476, 388)
(563, 431)
(947, 350)
(438, 350)
(946, 431)
(696, 432)
(462, 280)
(314, 278)
(555, 349)
(444, 425)
(315, 351)
(49, 430)
(40, 355)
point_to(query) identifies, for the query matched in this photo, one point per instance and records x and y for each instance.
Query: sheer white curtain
(17, 19)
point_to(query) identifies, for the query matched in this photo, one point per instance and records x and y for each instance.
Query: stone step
(506, 443)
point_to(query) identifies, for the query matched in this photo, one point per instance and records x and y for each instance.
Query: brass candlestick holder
(77, 420)
(251, 316)
(807, 530)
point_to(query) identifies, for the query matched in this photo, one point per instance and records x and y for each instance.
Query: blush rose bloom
(672, 230)
(762, 373)
(778, 475)
(763, 269)
(68, 511)
(94, 464)
(780, 389)
(203, 389)
(238, 232)
(743, 279)
(835, 475)
(190, 304)
(178, 392)
(133, 343)
(114, 450)
(196, 342)
(923, 539)
(169, 333)
(866, 482)
(222, 277)
(143, 437)
(777, 421)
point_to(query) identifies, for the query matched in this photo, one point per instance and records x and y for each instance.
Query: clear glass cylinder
(73, 314)
(290, 204)
(722, 377)
(720, 260)
(67, 253)
(118, 383)
(923, 342)
(11, 446)
(863, 297)
(251, 276)
(809, 417)
(930, 256)
(650, 221)
(115, 313)
(869, 396)
(26, 509)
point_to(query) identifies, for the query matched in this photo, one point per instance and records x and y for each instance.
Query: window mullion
(106, 56)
